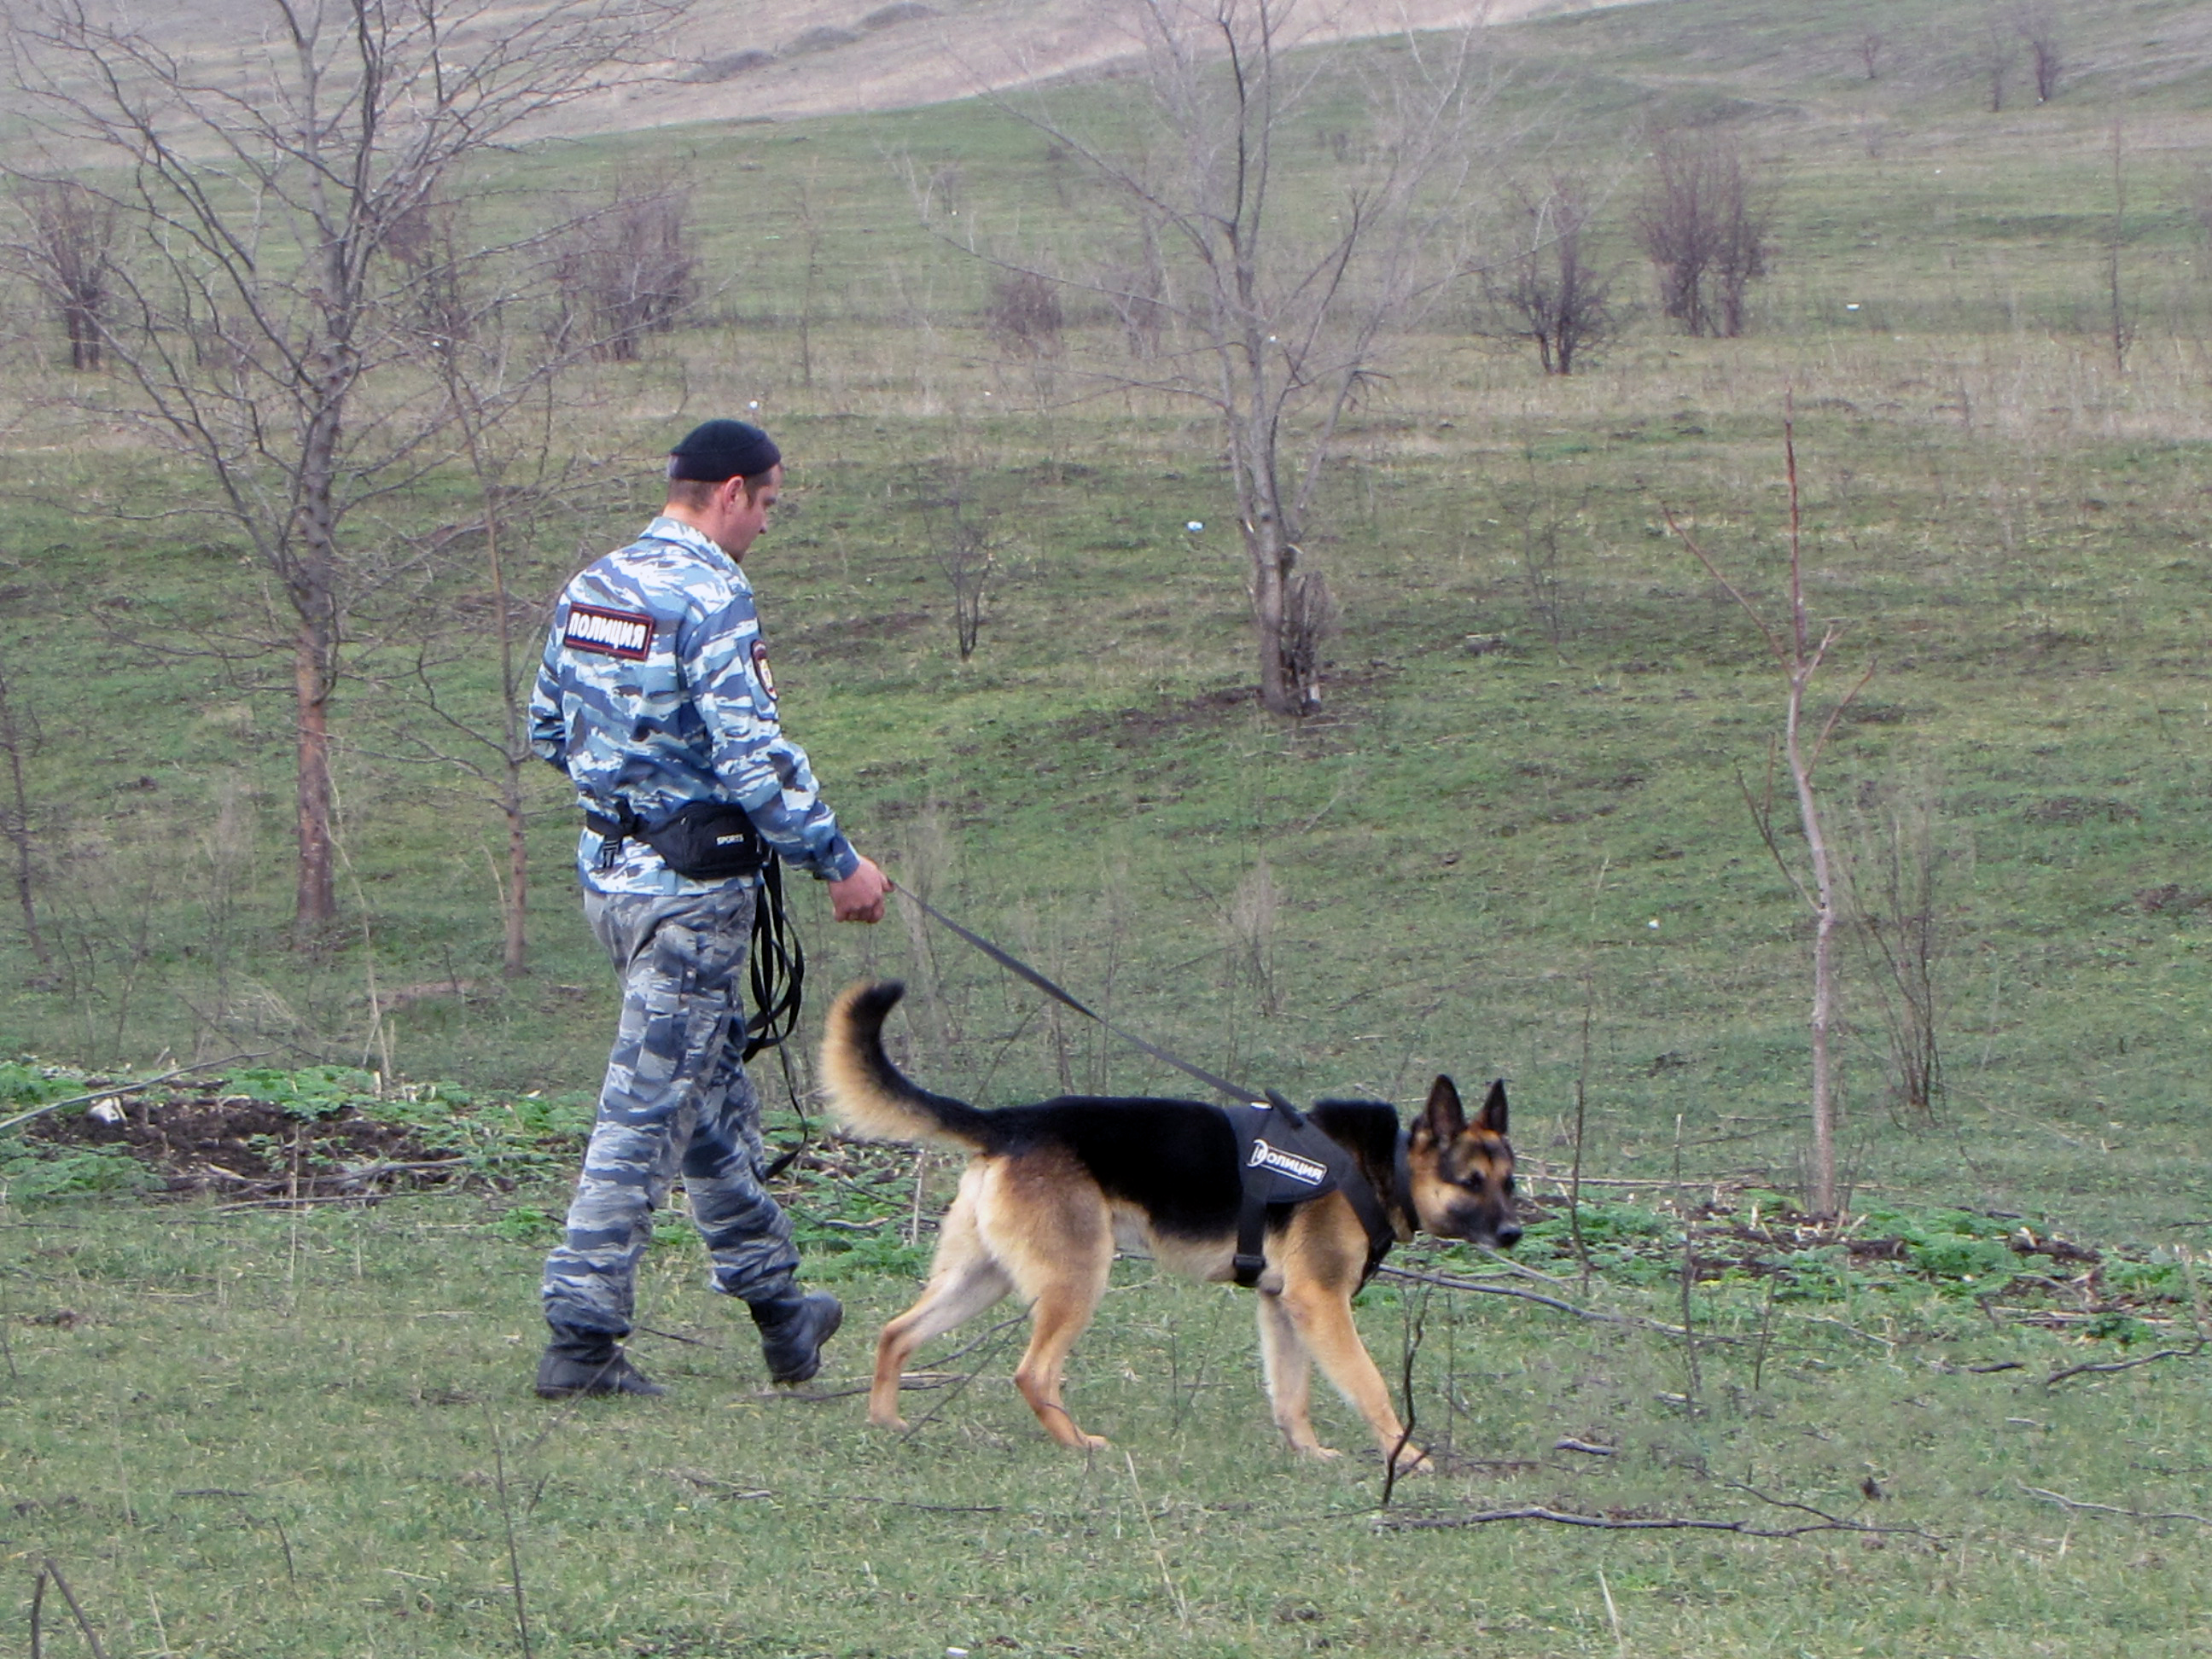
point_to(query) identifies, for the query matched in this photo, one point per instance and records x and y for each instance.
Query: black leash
(1015, 965)
(779, 967)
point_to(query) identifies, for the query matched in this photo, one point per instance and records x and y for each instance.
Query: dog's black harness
(1283, 1159)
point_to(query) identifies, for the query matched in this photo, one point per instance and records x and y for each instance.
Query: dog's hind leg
(1288, 1370)
(963, 1282)
(1047, 1221)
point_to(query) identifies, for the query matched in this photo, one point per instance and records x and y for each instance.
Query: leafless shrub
(1023, 315)
(625, 271)
(68, 252)
(1897, 868)
(428, 243)
(1872, 44)
(1137, 292)
(968, 547)
(1248, 926)
(1995, 61)
(1549, 290)
(2037, 23)
(1543, 515)
(1312, 618)
(1704, 222)
(2200, 202)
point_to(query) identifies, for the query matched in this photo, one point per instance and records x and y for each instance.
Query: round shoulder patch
(760, 669)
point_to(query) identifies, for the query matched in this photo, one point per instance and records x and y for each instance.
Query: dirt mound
(252, 1149)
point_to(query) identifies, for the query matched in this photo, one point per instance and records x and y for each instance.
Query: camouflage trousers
(675, 1098)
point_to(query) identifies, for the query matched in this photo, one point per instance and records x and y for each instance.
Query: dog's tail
(869, 1094)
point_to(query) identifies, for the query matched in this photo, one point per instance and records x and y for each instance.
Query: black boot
(581, 1362)
(792, 1328)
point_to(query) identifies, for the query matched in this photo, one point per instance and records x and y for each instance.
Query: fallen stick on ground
(2066, 1503)
(2108, 1365)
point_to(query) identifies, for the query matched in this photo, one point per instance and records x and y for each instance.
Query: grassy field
(242, 1433)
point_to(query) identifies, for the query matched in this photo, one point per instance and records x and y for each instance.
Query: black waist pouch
(707, 840)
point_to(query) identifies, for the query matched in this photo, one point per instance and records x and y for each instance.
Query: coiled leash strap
(716, 841)
(779, 966)
(1015, 965)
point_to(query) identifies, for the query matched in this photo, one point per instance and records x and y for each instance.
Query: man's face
(744, 513)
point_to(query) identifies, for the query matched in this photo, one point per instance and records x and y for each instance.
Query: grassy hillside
(1462, 851)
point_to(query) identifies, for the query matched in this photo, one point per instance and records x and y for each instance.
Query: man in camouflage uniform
(655, 695)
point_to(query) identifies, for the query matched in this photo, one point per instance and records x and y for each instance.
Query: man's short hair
(693, 493)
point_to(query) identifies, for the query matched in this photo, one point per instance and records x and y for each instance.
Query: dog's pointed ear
(1493, 1110)
(1443, 1118)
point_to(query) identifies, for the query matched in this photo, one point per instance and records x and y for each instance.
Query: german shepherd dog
(1051, 1189)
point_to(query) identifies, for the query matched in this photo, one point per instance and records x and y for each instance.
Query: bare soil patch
(250, 1149)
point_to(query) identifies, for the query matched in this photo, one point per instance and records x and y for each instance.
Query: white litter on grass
(1194, 526)
(104, 1111)
(1654, 922)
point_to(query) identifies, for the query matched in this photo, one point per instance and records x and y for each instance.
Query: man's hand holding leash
(859, 896)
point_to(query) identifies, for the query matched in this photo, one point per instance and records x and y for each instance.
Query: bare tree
(1818, 886)
(504, 402)
(1872, 43)
(68, 252)
(2037, 23)
(262, 193)
(1548, 289)
(1273, 312)
(1706, 223)
(813, 233)
(2119, 319)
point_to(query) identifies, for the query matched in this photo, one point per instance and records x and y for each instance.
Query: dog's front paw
(1411, 1459)
(886, 1420)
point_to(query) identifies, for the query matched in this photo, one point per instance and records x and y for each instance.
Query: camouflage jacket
(655, 689)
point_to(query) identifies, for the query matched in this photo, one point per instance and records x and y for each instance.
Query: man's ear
(1444, 1117)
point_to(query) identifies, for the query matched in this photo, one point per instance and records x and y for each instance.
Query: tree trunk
(516, 963)
(316, 904)
(515, 749)
(313, 591)
(19, 828)
(1822, 1193)
(1276, 693)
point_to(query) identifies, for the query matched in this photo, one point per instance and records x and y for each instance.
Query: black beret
(720, 450)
